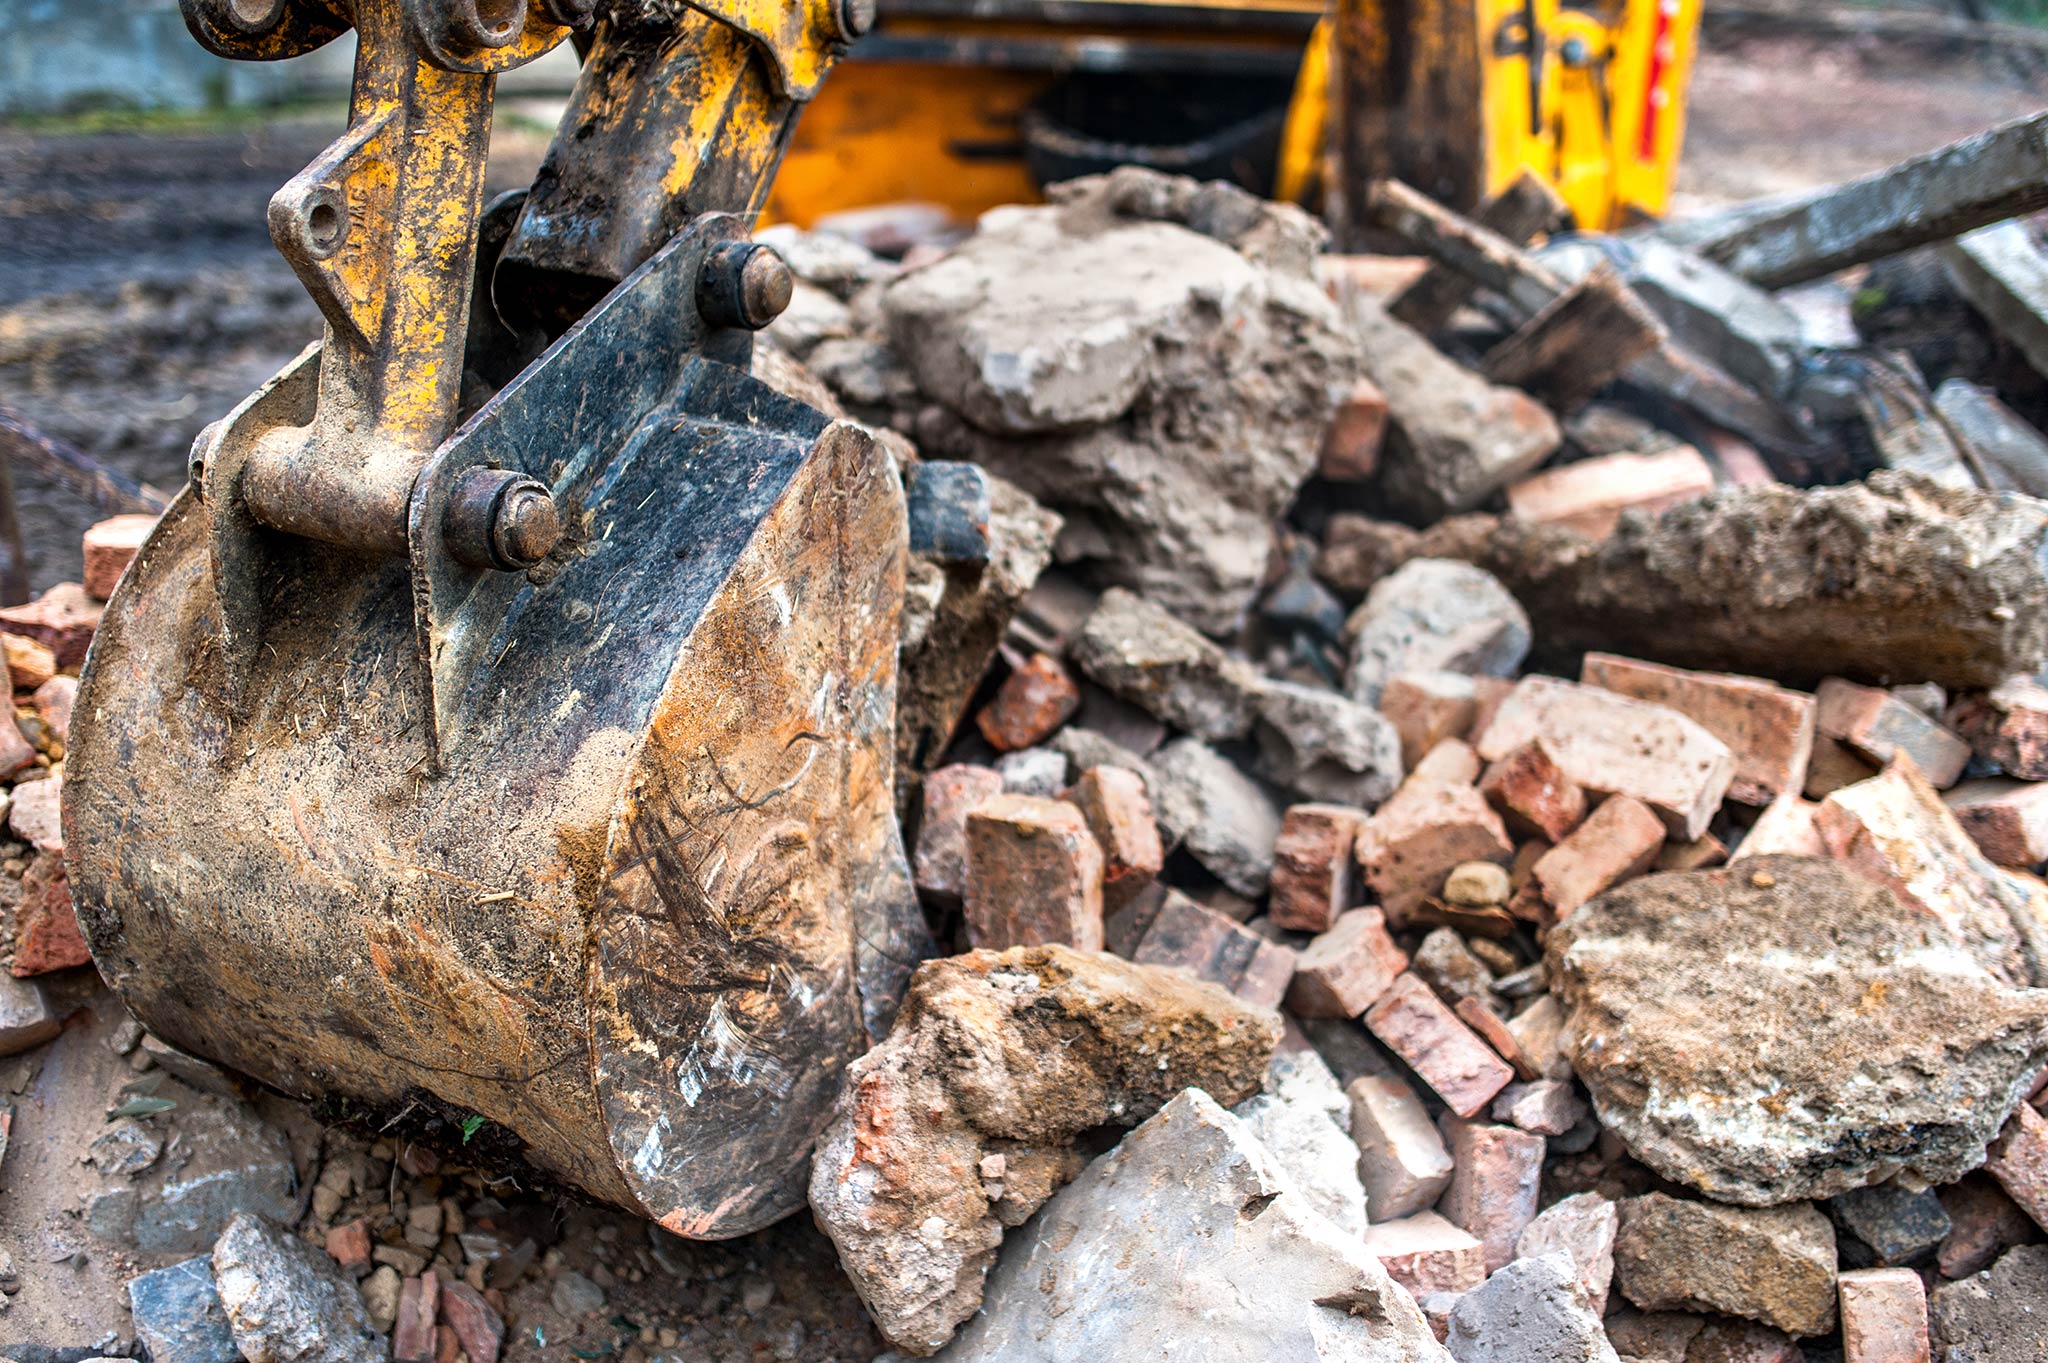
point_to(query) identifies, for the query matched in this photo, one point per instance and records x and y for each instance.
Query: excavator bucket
(537, 768)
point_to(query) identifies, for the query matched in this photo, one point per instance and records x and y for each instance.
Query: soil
(140, 299)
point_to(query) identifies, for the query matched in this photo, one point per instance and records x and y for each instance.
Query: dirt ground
(140, 299)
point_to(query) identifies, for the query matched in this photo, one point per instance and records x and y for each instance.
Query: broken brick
(54, 700)
(1589, 495)
(46, 935)
(950, 795)
(1884, 1316)
(1618, 840)
(1494, 1032)
(1785, 827)
(478, 1327)
(1032, 702)
(2019, 1161)
(1345, 970)
(1880, 726)
(349, 1244)
(62, 619)
(1428, 707)
(1768, 729)
(1401, 1157)
(1543, 1107)
(36, 815)
(1413, 1023)
(1119, 814)
(1834, 765)
(412, 1338)
(1533, 794)
(1426, 1253)
(1314, 874)
(1698, 855)
(109, 545)
(16, 752)
(1188, 937)
(2007, 819)
(1615, 745)
(29, 664)
(1416, 839)
(1034, 875)
(1351, 445)
(1494, 1188)
(1984, 1224)
(2008, 725)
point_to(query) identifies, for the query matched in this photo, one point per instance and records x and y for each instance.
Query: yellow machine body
(934, 107)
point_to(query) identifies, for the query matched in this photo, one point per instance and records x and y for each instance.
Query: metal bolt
(1574, 53)
(743, 284)
(500, 518)
(572, 13)
(854, 17)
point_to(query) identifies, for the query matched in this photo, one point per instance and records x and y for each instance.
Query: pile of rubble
(1451, 853)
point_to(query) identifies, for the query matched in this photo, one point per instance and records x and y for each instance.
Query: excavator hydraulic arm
(500, 722)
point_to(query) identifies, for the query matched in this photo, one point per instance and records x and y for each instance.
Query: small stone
(1771, 1264)
(287, 1302)
(1034, 875)
(1543, 1107)
(1581, 1227)
(1884, 1316)
(1040, 773)
(1478, 885)
(1032, 702)
(950, 795)
(1119, 814)
(179, 1316)
(423, 1226)
(2006, 726)
(380, 1297)
(29, 664)
(1314, 875)
(1322, 745)
(1531, 1309)
(1135, 650)
(1426, 708)
(1897, 1225)
(1426, 1253)
(1659, 1336)
(1985, 1224)
(124, 1150)
(1344, 971)
(26, 1018)
(1996, 1316)
(1880, 726)
(575, 1297)
(1697, 855)
(1413, 1023)
(1433, 615)
(1401, 1157)
(54, 700)
(1493, 1190)
(109, 546)
(2018, 1159)
(1201, 942)
(1235, 824)
(36, 816)
(1448, 966)
(2008, 820)
(1613, 745)
(1411, 845)
(1617, 842)
(1767, 728)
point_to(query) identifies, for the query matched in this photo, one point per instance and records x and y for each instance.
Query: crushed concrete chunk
(287, 1302)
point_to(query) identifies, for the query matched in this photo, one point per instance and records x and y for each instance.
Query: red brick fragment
(1314, 875)
(37, 814)
(1493, 1192)
(478, 1327)
(349, 1244)
(29, 664)
(412, 1337)
(1984, 1224)
(2019, 1161)
(1351, 445)
(1413, 1023)
(1452, 762)
(53, 701)
(1344, 971)
(1494, 1032)
(1420, 836)
(1768, 728)
(16, 752)
(62, 619)
(950, 795)
(1880, 726)
(2008, 820)
(1428, 707)
(1532, 793)
(46, 935)
(1426, 1253)
(2008, 725)
(1884, 1316)
(1032, 702)
(1617, 841)
(1589, 495)
(1034, 875)
(109, 546)
(1205, 944)
(1119, 814)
